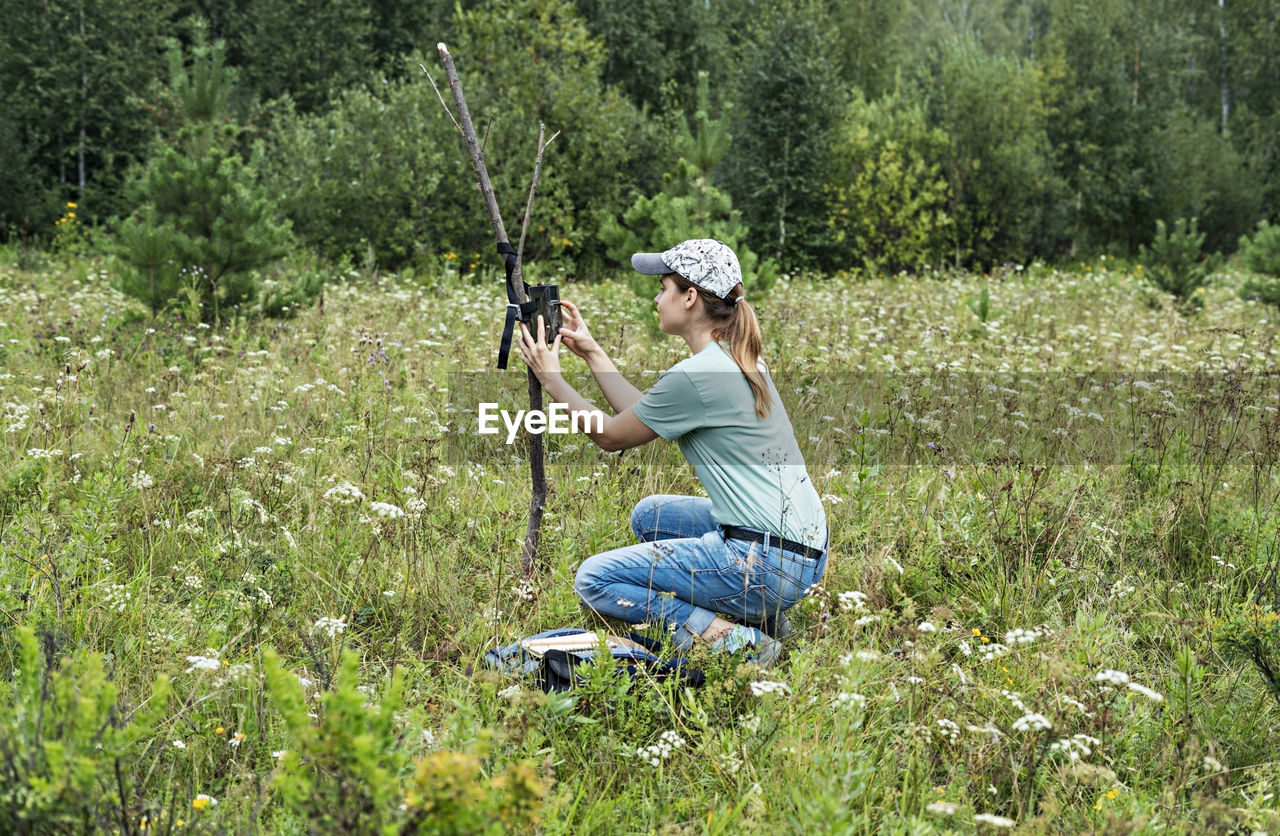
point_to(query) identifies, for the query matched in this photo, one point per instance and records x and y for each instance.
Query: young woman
(725, 567)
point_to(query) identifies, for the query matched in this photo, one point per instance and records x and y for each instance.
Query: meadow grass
(249, 571)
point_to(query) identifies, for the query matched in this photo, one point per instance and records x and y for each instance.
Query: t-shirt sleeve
(673, 406)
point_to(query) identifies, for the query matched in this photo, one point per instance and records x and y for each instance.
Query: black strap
(516, 310)
(733, 532)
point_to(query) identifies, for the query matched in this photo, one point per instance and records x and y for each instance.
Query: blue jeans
(683, 572)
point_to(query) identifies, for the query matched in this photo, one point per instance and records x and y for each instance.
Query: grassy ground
(247, 570)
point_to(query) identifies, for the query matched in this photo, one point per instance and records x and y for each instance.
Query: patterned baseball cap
(708, 263)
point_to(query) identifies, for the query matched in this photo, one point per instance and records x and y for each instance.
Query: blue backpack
(552, 664)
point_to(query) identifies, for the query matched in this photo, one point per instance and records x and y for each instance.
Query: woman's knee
(643, 517)
(588, 579)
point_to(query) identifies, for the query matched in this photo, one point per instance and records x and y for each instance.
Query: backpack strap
(516, 310)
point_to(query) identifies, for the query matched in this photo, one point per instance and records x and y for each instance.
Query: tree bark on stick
(537, 470)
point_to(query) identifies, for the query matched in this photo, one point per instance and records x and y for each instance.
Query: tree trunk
(1224, 84)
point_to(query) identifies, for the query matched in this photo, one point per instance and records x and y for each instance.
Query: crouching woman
(723, 568)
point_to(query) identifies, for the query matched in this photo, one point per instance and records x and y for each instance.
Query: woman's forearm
(617, 390)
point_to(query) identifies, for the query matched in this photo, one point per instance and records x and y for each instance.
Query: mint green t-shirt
(751, 468)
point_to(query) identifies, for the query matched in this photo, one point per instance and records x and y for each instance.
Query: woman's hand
(573, 331)
(542, 358)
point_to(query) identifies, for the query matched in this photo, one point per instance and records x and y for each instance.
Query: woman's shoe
(763, 650)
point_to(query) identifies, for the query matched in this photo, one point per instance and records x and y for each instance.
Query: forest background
(835, 135)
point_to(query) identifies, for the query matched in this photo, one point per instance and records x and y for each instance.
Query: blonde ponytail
(735, 323)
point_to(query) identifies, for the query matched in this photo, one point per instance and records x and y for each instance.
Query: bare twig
(441, 98)
(533, 187)
(477, 161)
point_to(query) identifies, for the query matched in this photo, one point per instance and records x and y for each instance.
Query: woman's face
(670, 303)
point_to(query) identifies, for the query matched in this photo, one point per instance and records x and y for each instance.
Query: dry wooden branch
(537, 470)
(533, 187)
(441, 98)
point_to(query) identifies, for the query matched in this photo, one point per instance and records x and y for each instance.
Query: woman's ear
(690, 297)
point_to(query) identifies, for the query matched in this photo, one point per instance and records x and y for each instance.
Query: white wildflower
(344, 494)
(1020, 636)
(852, 600)
(1112, 677)
(949, 729)
(943, 808)
(386, 509)
(1032, 721)
(1076, 747)
(667, 743)
(995, 651)
(994, 821)
(848, 699)
(332, 626)
(988, 729)
(1146, 692)
(768, 686)
(141, 480)
(117, 597)
(203, 663)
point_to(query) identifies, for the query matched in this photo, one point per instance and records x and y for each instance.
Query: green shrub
(342, 771)
(1265, 290)
(345, 771)
(889, 207)
(61, 735)
(1261, 253)
(292, 284)
(1174, 262)
(450, 796)
(204, 223)
(998, 163)
(1251, 633)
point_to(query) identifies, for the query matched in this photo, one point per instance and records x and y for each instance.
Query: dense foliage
(872, 135)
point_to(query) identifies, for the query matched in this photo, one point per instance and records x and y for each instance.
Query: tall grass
(258, 565)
